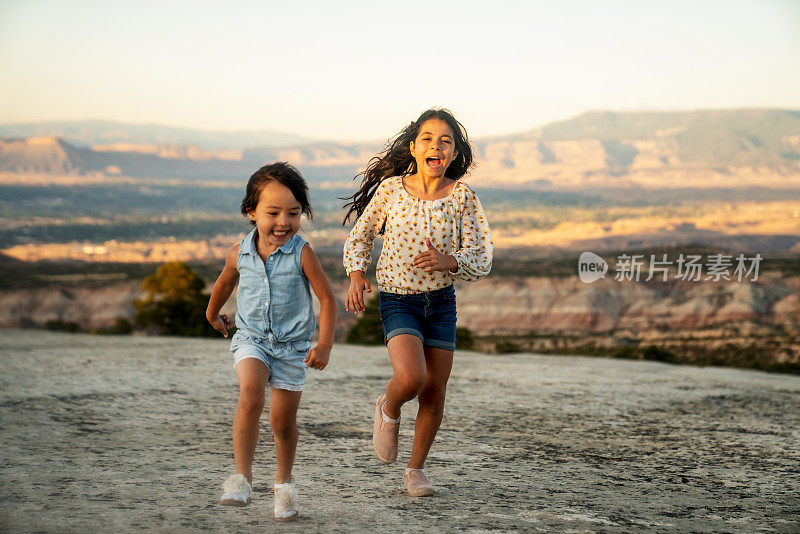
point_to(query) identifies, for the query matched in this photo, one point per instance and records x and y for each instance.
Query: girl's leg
(283, 406)
(439, 362)
(252, 374)
(408, 361)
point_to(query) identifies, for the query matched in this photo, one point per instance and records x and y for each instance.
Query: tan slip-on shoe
(384, 435)
(417, 483)
(285, 502)
(237, 491)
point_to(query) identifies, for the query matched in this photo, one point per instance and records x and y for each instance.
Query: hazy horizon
(311, 139)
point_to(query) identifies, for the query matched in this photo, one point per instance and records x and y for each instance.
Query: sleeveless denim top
(273, 300)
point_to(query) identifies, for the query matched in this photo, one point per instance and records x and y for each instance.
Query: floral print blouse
(455, 224)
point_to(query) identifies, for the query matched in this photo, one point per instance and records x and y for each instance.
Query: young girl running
(434, 231)
(275, 322)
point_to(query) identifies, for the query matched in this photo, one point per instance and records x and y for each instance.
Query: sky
(361, 70)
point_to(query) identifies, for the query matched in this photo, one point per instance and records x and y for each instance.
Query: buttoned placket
(267, 297)
(426, 213)
(437, 209)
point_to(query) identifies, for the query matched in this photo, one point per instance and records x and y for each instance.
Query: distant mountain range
(703, 148)
(711, 148)
(98, 132)
(719, 137)
(54, 155)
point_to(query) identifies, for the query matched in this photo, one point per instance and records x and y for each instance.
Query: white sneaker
(237, 491)
(285, 502)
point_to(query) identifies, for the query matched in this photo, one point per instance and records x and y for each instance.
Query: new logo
(591, 267)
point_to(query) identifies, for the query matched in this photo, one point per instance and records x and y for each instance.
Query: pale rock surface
(122, 434)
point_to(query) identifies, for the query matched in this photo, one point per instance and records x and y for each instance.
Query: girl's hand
(317, 358)
(221, 323)
(432, 260)
(355, 294)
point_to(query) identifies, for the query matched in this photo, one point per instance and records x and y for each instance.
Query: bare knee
(409, 385)
(432, 395)
(251, 401)
(283, 427)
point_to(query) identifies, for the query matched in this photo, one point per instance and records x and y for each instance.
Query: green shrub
(506, 347)
(175, 303)
(368, 329)
(626, 353)
(653, 352)
(121, 326)
(464, 338)
(57, 325)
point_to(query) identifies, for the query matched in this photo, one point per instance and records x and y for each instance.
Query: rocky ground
(130, 433)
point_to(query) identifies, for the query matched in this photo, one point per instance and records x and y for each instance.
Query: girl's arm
(474, 258)
(358, 247)
(223, 288)
(318, 356)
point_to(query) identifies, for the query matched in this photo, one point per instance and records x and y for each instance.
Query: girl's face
(434, 148)
(277, 215)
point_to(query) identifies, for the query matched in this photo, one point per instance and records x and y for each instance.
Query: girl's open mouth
(433, 163)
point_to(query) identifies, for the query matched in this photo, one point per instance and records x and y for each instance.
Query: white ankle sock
(386, 418)
(409, 469)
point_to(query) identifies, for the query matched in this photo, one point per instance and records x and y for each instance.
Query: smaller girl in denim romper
(275, 322)
(435, 231)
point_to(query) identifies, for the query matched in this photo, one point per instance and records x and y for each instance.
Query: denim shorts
(283, 360)
(431, 316)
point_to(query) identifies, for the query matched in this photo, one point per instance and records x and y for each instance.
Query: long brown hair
(395, 159)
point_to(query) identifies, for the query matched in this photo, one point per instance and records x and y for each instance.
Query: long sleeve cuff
(473, 266)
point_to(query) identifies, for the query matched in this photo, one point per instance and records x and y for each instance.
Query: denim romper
(275, 314)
